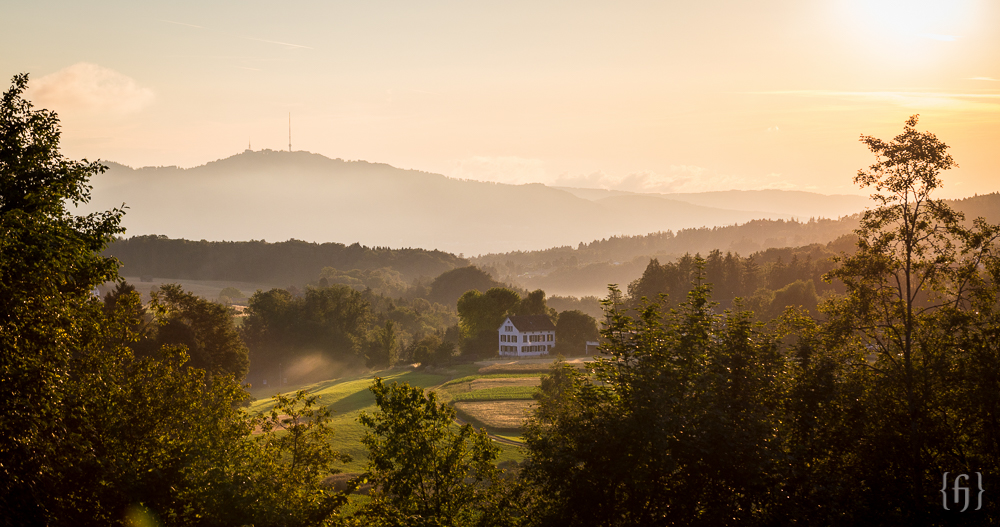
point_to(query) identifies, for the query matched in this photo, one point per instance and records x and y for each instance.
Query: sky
(658, 96)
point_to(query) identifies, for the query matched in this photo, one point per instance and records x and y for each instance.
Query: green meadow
(349, 396)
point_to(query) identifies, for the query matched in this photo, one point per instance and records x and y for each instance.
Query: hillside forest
(835, 380)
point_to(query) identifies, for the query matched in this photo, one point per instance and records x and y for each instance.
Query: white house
(526, 336)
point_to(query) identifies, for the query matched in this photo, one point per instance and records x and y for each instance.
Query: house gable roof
(531, 323)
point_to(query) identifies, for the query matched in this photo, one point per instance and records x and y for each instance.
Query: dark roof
(532, 323)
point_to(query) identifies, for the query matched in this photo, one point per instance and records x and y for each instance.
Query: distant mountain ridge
(278, 195)
(793, 203)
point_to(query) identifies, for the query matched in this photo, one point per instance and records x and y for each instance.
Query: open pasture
(348, 397)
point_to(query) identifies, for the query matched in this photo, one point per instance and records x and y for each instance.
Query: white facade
(526, 336)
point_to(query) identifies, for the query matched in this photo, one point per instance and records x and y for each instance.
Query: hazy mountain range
(276, 196)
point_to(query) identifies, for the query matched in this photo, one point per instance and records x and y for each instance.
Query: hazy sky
(656, 96)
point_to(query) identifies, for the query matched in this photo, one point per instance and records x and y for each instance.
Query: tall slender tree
(912, 287)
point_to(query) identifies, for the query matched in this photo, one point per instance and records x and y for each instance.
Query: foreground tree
(423, 471)
(49, 264)
(922, 298)
(677, 426)
(93, 434)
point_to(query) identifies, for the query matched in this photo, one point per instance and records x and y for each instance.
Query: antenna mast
(289, 131)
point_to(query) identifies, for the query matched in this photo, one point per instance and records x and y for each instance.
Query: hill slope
(284, 195)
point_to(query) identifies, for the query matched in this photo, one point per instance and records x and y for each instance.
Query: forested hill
(580, 271)
(589, 267)
(289, 262)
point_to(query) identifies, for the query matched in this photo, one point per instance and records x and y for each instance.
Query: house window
(550, 337)
(525, 338)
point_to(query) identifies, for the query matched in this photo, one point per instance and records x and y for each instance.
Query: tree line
(287, 262)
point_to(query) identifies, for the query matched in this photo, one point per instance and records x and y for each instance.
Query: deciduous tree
(917, 286)
(424, 470)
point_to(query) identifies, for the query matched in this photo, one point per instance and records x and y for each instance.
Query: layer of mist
(276, 196)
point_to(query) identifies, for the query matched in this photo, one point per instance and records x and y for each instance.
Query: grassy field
(496, 395)
(347, 397)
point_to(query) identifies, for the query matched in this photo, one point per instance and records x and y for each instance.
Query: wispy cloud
(501, 169)
(908, 99)
(984, 79)
(287, 45)
(942, 38)
(679, 178)
(89, 87)
(182, 24)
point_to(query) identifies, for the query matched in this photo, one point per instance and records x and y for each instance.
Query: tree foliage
(93, 433)
(449, 286)
(921, 293)
(853, 419)
(678, 425)
(573, 330)
(48, 266)
(480, 314)
(291, 261)
(205, 328)
(424, 471)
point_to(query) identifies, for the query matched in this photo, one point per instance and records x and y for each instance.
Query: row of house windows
(529, 349)
(508, 328)
(528, 338)
(508, 348)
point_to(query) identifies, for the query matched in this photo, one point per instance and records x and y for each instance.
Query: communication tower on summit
(289, 131)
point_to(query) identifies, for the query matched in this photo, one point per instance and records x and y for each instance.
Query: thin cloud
(882, 94)
(952, 101)
(679, 178)
(182, 24)
(942, 38)
(991, 79)
(285, 44)
(501, 169)
(91, 88)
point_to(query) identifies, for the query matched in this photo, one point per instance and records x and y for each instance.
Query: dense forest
(853, 407)
(288, 262)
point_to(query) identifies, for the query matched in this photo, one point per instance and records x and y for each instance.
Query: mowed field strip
(505, 382)
(499, 415)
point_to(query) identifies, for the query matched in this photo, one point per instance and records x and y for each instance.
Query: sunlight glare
(935, 19)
